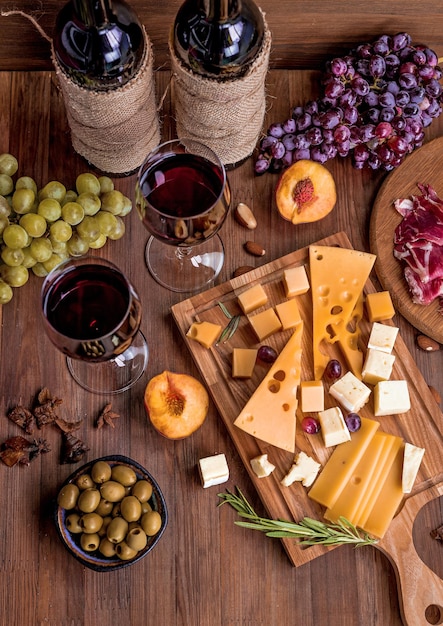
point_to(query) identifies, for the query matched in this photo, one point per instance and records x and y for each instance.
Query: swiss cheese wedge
(270, 413)
(338, 276)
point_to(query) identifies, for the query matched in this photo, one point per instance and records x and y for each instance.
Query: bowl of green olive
(110, 513)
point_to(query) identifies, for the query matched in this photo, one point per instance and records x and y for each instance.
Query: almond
(244, 216)
(243, 269)
(254, 248)
(427, 343)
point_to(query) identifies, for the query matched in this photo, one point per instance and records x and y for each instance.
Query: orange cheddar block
(342, 462)
(338, 276)
(243, 362)
(288, 313)
(206, 333)
(265, 323)
(312, 396)
(252, 299)
(270, 413)
(379, 306)
(295, 280)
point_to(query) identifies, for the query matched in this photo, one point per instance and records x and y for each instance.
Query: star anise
(107, 416)
(73, 449)
(46, 410)
(23, 418)
(20, 450)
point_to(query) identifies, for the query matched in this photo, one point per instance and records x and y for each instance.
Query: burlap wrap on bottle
(226, 115)
(114, 130)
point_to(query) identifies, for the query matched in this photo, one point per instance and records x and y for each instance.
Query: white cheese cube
(411, 464)
(377, 366)
(391, 397)
(382, 337)
(214, 470)
(261, 466)
(333, 427)
(350, 392)
(304, 470)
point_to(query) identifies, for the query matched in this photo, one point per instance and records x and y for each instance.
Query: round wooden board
(425, 165)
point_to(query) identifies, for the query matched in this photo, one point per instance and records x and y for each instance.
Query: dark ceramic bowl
(95, 560)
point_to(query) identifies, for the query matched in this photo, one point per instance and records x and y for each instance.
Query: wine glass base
(114, 376)
(185, 269)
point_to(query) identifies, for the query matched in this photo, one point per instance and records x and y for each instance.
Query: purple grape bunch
(375, 105)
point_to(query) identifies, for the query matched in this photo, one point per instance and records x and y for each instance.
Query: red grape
(310, 425)
(333, 370)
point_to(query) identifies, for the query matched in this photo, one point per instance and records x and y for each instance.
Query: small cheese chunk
(312, 396)
(391, 397)
(214, 470)
(350, 392)
(261, 466)
(288, 313)
(379, 306)
(265, 323)
(295, 281)
(333, 427)
(252, 299)
(243, 362)
(377, 366)
(304, 470)
(382, 337)
(206, 333)
(411, 464)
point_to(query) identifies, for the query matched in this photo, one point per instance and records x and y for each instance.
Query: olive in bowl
(110, 513)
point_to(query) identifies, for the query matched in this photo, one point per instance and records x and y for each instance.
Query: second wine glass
(183, 198)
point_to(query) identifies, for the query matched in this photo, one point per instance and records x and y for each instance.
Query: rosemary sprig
(308, 531)
(231, 327)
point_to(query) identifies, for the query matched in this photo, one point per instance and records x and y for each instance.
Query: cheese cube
(214, 470)
(261, 466)
(382, 337)
(377, 366)
(333, 427)
(391, 397)
(411, 464)
(295, 281)
(265, 323)
(312, 396)
(243, 362)
(288, 313)
(206, 333)
(304, 470)
(252, 299)
(379, 306)
(350, 392)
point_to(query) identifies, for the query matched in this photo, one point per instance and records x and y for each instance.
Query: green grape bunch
(40, 228)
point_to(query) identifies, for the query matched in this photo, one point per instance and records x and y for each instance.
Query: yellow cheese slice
(338, 276)
(342, 462)
(348, 336)
(270, 413)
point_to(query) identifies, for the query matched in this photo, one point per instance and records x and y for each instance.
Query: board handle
(420, 590)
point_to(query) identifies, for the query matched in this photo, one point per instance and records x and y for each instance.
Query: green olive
(117, 530)
(68, 496)
(136, 539)
(88, 500)
(124, 552)
(91, 523)
(124, 475)
(151, 523)
(131, 509)
(146, 507)
(104, 507)
(72, 523)
(84, 482)
(103, 530)
(89, 543)
(106, 548)
(142, 490)
(116, 510)
(101, 472)
(112, 491)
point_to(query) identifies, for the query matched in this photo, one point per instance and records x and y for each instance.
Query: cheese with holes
(243, 362)
(261, 466)
(312, 396)
(265, 323)
(382, 337)
(338, 276)
(333, 427)
(270, 413)
(206, 333)
(377, 366)
(251, 299)
(391, 397)
(350, 392)
(295, 280)
(379, 306)
(411, 464)
(348, 337)
(342, 462)
(288, 313)
(304, 470)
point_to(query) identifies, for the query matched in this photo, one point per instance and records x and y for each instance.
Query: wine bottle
(98, 43)
(218, 37)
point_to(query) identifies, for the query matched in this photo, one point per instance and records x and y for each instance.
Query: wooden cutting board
(425, 165)
(422, 426)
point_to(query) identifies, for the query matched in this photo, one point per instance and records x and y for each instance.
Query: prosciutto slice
(418, 243)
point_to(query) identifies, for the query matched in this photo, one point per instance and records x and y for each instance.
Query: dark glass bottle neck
(220, 10)
(93, 13)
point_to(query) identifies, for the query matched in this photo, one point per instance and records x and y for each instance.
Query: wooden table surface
(205, 571)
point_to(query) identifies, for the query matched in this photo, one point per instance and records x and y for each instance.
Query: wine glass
(183, 198)
(92, 314)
